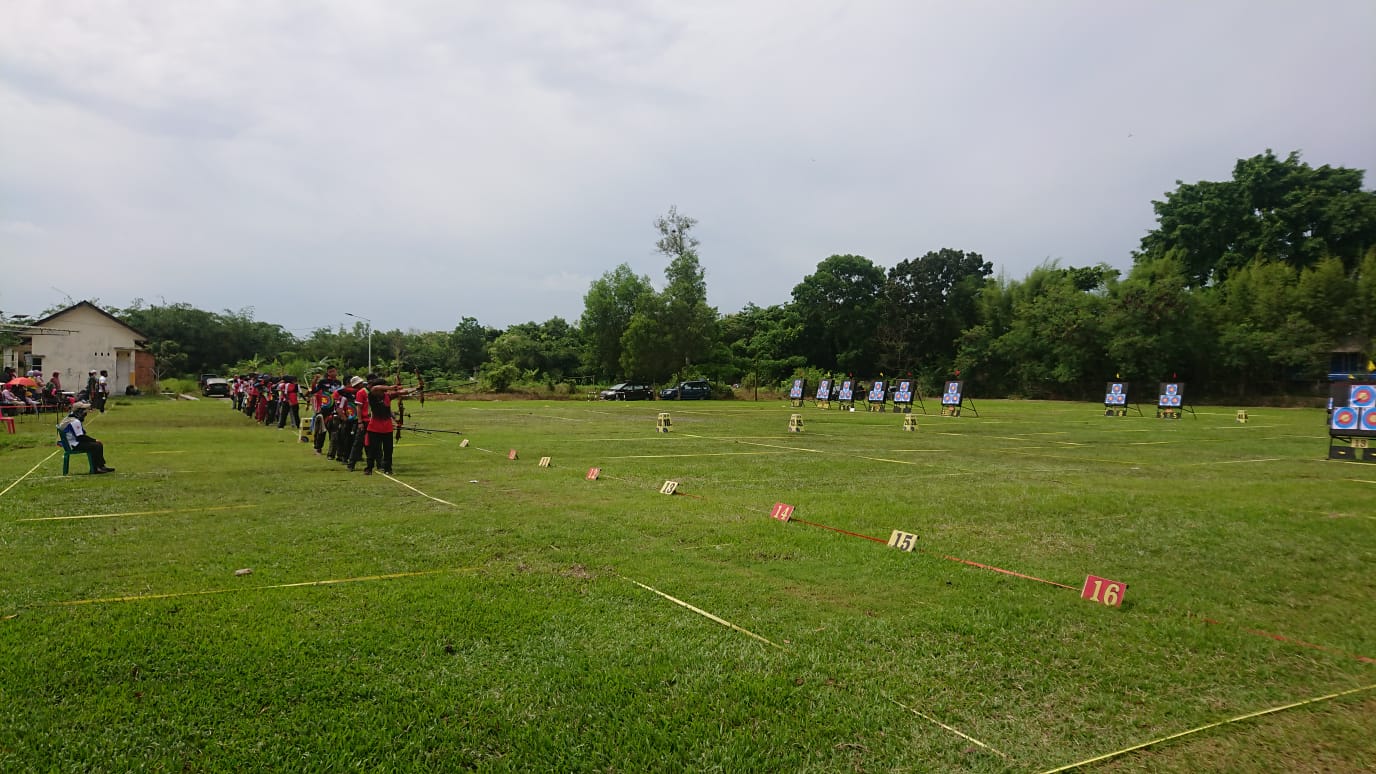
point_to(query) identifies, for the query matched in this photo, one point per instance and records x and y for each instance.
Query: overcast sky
(419, 162)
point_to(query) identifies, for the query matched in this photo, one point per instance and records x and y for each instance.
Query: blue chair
(68, 451)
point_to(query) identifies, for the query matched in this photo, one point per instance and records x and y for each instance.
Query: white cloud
(218, 152)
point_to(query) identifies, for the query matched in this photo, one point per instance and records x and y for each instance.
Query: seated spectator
(77, 439)
(8, 398)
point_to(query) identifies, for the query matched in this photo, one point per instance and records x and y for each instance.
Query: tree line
(1254, 285)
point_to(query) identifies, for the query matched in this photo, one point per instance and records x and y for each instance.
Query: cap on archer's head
(356, 381)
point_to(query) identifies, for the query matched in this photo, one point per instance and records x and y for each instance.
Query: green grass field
(494, 614)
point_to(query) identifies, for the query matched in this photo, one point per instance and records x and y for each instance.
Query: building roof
(140, 335)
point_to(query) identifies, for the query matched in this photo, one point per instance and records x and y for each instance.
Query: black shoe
(98, 471)
(367, 471)
(349, 468)
(107, 469)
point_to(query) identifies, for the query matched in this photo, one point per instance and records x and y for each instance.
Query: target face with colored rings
(1172, 389)
(1363, 396)
(952, 388)
(1368, 421)
(1344, 418)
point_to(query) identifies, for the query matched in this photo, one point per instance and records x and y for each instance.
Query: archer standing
(291, 403)
(380, 425)
(360, 389)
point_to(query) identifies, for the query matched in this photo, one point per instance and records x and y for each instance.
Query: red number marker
(511, 455)
(593, 473)
(1103, 591)
(782, 511)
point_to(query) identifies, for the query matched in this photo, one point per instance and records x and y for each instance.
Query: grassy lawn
(495, 614)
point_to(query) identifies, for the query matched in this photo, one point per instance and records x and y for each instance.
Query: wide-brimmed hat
(354, 382)
(80, 405)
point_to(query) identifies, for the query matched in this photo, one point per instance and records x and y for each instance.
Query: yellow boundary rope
(1216, 724)
(31, 470)
(138, 513)
(142, 597)
(417, 491)
(702, 612)
(957, 732)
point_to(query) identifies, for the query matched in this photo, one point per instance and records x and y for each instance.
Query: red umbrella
(21, 380)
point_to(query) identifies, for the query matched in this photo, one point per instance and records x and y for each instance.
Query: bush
(498, 377)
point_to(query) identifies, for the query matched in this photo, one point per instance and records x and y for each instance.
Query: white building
(81, 338)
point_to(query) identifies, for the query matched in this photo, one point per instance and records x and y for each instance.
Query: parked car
(698, 389)
(215, 387)
(628, 391)
(205, 378)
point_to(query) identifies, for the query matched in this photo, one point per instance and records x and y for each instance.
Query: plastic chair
(68, 451)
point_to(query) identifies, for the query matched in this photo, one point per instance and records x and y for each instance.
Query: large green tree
(929, 302)
(608, 306)
(1272, 209)
(841, 306)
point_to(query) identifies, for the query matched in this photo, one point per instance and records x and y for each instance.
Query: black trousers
(289, 409)
(380, 451)
(97, 449)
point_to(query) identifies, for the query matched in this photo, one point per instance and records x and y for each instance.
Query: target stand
(796, 391)
(953, 400)
(845, 396)
(1170, 401)
(874, 400)
(903, 396)
(1116, 402)
(823, 397)
(1352, 423)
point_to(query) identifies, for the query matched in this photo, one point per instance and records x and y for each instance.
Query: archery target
(1116, 394)
(847, 390)
(1345, 418)
(904, 393)
(1171, 396)
(796, 391)
(876, 392)
(951, 397)
(1368, 420)
(1363, 396)
(824, 390)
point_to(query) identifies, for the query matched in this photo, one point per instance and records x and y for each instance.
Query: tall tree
(608, 306)
(840, 306)
(930, 301)
(689, 324)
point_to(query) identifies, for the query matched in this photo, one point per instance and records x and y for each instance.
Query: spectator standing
(102, 390)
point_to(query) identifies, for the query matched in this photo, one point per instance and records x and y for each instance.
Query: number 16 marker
(1103, 591)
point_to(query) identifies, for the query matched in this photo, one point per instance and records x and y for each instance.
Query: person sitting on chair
(79, 441)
